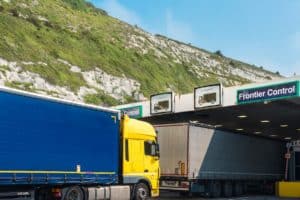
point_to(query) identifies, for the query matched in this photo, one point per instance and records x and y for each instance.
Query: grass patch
(58, 75)
(86, 36)
(4, 68)
(101, 99)
(19, 85)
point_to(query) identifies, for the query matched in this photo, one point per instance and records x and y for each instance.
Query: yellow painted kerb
(288, 189)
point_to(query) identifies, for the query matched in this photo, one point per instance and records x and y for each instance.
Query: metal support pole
(287, 157)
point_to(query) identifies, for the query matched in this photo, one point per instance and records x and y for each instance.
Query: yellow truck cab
(140, 158)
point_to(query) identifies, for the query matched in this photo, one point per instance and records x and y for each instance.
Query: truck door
(151, 162)
(136, 158)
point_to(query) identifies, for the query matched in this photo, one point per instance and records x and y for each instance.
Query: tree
(219, 53)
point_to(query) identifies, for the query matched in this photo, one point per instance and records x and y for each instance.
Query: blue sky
(261, 32)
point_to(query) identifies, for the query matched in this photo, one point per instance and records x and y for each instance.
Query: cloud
(115, 9)
(178, 30)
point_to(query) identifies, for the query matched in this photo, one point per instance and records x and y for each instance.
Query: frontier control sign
(283, 90)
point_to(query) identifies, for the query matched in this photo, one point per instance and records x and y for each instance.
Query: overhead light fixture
(218, 125)
(287, 138)
(242, 116)
(284, 125)
(273, 135)
(194, 121)
(265, 121)
(239, 129)
(257, 132)
(298, 129)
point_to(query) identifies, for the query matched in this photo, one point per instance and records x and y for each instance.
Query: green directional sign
(133, 111)
(270, 92)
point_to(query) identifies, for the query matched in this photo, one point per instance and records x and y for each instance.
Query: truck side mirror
(157, 150)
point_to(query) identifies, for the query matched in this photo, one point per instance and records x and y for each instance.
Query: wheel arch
(132, 180)
(147, 182)
(65, 190)
(142, 183)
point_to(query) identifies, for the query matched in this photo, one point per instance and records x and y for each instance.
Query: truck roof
(54, 99)
(134, 126)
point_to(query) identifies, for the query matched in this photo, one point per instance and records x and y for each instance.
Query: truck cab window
(126, 150)
(151, 148)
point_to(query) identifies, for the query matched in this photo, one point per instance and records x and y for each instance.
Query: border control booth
(269, 110)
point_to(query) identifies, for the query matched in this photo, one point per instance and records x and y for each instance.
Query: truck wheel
(227, 189)
(215, 189)
(74, 193)
(141, 192)
(43, 194)
(268, 188)
(185, 194)
(238, 189)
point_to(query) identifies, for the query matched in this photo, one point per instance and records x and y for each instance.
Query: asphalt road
(174, 195)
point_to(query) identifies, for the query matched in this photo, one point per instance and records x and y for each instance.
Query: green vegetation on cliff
(85, 36)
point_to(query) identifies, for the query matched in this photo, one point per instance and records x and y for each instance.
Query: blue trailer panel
(44, 141)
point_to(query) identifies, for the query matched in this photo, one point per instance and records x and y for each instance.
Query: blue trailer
(47, 144)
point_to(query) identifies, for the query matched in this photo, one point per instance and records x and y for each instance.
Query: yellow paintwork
(288, 189)
(137, 129)
(136, 133)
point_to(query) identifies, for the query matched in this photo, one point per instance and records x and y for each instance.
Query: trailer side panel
(216, 154)
(173, 142)
(50, 142)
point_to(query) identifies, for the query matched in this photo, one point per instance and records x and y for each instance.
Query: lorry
(199, 159)
(56, 149)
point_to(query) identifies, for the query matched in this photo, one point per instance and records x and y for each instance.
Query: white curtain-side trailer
(199, 159)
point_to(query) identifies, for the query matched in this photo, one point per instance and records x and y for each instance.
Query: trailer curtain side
(194, 152)
(44, 142)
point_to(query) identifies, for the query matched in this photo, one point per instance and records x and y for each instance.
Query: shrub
(49, 24)
(97, 10)
(219, 53)
(100, 99)
(14, 12)
(77, 4)
(268, 78)
(34, 21)
(1, 8)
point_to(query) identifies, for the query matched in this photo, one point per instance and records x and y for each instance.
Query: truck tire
(141, 192)
(268, 188)
(215, 189)
(43, 194)
(238, 189)
(185, 194)
(227, 189)
(74, 193)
